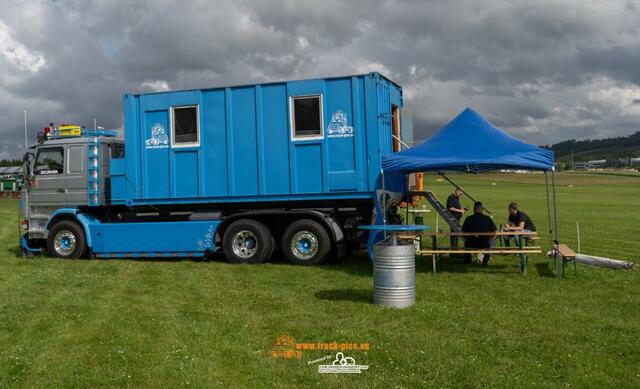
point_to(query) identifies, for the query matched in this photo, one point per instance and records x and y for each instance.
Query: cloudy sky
(543, 70)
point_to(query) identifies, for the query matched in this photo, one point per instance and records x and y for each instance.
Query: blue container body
(246, 152)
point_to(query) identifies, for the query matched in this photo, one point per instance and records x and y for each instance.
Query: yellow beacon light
(67, 130)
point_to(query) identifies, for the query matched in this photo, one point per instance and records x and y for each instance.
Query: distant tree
(619, 147)
(10, 162)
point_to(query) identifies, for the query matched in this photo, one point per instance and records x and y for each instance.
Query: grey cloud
(546, 70)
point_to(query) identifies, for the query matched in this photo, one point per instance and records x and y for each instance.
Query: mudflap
(25, 250)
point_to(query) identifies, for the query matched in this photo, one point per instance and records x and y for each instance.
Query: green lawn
(198, 323)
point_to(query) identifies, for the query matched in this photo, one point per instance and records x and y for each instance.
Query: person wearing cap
(518, 221)
(478, 222)
(456, 210)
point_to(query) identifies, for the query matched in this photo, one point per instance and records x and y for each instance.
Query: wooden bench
(568, 255)
(523, 253)
(409, 236)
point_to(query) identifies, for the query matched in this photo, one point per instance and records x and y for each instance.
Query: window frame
(175, 144)
(113, 147)
(292, 117)
(67, 159)
(35, 161)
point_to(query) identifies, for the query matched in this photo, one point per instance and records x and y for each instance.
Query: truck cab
(57, 172)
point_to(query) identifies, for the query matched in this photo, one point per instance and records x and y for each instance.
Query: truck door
(76, 177)
(48, 187)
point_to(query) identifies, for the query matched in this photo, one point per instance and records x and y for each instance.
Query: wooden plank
(514, 248)
(565, 251)
(523, 251)
(527, 234)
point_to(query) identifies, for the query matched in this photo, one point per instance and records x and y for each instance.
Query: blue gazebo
(469, 143)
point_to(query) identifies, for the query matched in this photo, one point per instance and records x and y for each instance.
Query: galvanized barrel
(394, 275)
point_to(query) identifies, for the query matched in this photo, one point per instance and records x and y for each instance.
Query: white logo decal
(339, 127)
(342, 364)
(48, 172)
(159, 139)
(207, 242)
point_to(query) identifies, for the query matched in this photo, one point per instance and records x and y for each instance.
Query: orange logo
(285, 347)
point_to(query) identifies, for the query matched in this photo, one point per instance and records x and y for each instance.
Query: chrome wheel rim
(304, 245)
(64, 242)
(245, 244)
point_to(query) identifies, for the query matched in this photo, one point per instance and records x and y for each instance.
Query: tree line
(622, 146)
(10, 162)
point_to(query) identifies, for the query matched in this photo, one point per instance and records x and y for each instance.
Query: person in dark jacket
(456, 210)
(479, 222)
(518, 221)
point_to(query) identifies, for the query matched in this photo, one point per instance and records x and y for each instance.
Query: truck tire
(305, 242)
(66, 240)
(247, 241)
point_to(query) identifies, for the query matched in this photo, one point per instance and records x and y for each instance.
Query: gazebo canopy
(469, 143)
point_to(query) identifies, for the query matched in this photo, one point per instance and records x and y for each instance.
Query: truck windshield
(49, 161)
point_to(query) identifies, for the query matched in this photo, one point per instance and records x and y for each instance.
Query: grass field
(208, 323)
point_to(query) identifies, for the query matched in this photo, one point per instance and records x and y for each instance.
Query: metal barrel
(394, 275)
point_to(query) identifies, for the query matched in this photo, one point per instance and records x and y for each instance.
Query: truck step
(40, 216)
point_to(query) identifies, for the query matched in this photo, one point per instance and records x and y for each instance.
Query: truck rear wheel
(306, 242)
(66, 240)
(247, 241)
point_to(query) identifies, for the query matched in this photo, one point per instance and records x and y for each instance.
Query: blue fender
(84, 219)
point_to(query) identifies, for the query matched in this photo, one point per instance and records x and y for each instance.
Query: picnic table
(418, 214)
(522, 247)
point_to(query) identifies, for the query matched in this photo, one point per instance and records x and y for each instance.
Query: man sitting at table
(518, 221)
(478, 222)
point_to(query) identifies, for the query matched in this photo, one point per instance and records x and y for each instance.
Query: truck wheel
(247, 241)
(66, 240)
(305, 242)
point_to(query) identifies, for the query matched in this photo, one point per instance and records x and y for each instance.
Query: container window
(117, 151)
(306, 117)
(49, 161)
(185, 126)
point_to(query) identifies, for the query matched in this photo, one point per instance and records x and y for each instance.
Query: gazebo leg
(433, 261)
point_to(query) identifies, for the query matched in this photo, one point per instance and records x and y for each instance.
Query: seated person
(478, 222)
(518, 221)
(409, 202)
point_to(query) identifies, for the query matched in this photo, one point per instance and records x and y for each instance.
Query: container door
(48, 187)
(343, 133)
(156, 154)
(395, 129)
(76, 177)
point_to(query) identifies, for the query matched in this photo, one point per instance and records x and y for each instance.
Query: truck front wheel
(247, 241)
(66, 240)
(306, 242)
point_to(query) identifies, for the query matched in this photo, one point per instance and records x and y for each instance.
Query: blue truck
(247, 170)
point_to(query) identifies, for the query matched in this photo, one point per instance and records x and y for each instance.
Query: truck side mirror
(27, 159)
